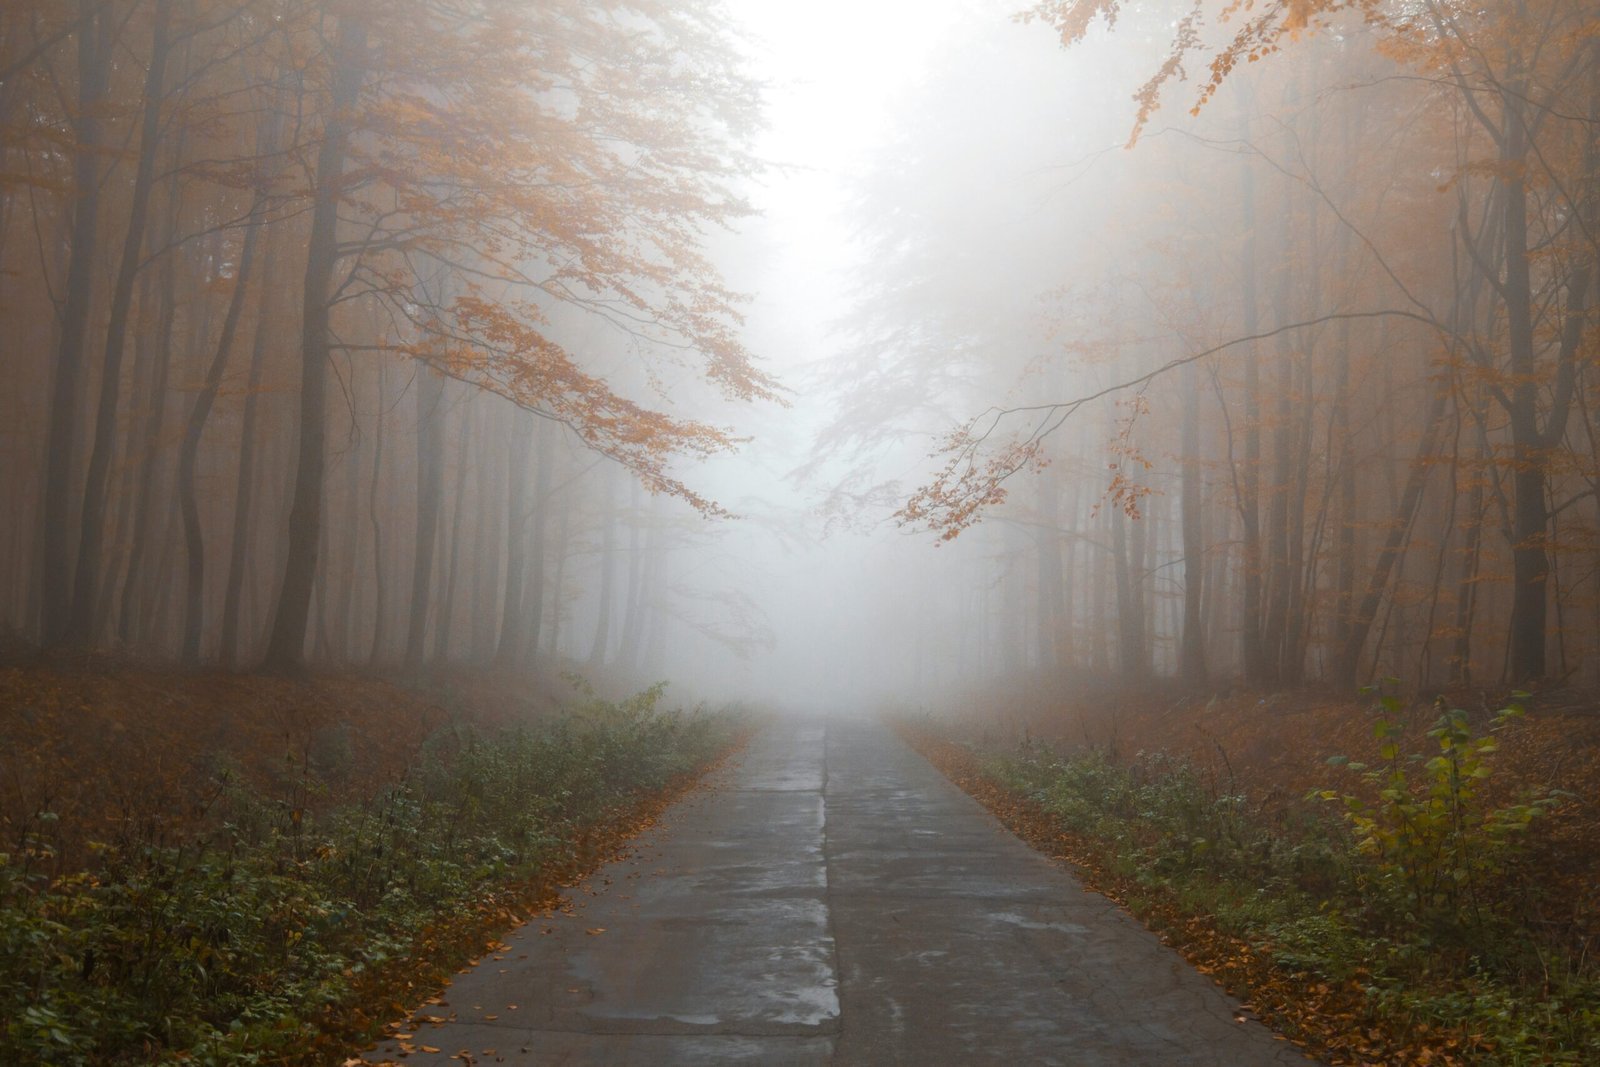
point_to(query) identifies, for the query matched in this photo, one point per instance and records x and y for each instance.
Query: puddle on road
(1011, 918)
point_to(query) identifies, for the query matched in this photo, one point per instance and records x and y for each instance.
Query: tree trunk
(189, 451)
(244, 493)
(1530, 564)
(533, 603)
(633, 616)
(1253, 643)
(1130, 605)
(517, 515)
(608, 552)
(1531, 444)
(380, 602)
(94, 65)
(1051, 607)
(286, 645)
(81, 625)
(430, 492)
(1192, 654)
(558, 581)
(1394, 545)
(447, 612)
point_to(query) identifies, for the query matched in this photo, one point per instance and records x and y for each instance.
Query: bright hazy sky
(830, 66)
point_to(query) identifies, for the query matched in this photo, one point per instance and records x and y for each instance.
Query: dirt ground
(1274, 747)
(111, 748)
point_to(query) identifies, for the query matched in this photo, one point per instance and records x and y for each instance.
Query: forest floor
(243, 868)
(114, 746)
(1273, 751)
(1275, 747)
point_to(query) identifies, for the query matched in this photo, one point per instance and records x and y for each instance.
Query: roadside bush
(1406, 887)
(1438, 852)
(256, 942)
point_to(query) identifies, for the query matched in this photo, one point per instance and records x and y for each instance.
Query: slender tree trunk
(320, 641)
(137, 580)
(1047, 548)
(1394, 544)
(1530, 564)
(244, 494)
(483, 609)
(1531, 444)
(517, 516)
(1071, 581)
(286, 645)
(608, 553)
(1130, 614)
(1301, 572)
(558, 581)
(143, 374)
(1141, 535)
(430, 491)
(533, 604)
(1253, 641)
(1467, 589)
(189, 450)
(1277, 539)
(647, 600)
(447, 612)
(82, 623)
(1099, 595)
(1345, 550)
(94, 65)
(633, 614)
(380, 602)
(351, 614)
(1192, 654)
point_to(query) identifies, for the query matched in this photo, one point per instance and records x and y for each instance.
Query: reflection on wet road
(835, 901)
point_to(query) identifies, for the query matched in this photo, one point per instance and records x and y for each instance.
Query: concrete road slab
(834, 900)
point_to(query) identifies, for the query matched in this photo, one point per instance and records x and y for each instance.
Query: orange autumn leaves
(528, 191)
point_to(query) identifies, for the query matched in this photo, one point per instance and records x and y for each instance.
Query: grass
(279, 928)
(1399, 915)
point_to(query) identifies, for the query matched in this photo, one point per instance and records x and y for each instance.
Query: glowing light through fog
(831, 67)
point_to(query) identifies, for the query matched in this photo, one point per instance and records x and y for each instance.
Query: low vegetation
(1410, 910)
(280, 929)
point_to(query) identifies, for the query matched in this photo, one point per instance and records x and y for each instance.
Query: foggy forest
(481, 421)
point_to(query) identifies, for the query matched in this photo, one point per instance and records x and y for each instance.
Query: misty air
(652, 532)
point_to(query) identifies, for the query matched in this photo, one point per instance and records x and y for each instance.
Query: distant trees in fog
(1300, 386)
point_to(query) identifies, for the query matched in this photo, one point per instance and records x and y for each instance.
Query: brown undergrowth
(109, 762)
(407, 995)
(1238, 967)
(1274, 749)
(115, 749)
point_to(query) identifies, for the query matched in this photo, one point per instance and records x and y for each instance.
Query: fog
(828, 356)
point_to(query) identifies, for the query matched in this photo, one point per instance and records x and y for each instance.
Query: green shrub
(242, 946)
(1410, 887)
(1436, 848)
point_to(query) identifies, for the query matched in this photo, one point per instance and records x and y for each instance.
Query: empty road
(834, 900)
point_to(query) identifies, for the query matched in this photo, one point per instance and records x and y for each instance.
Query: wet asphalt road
(834, 900)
